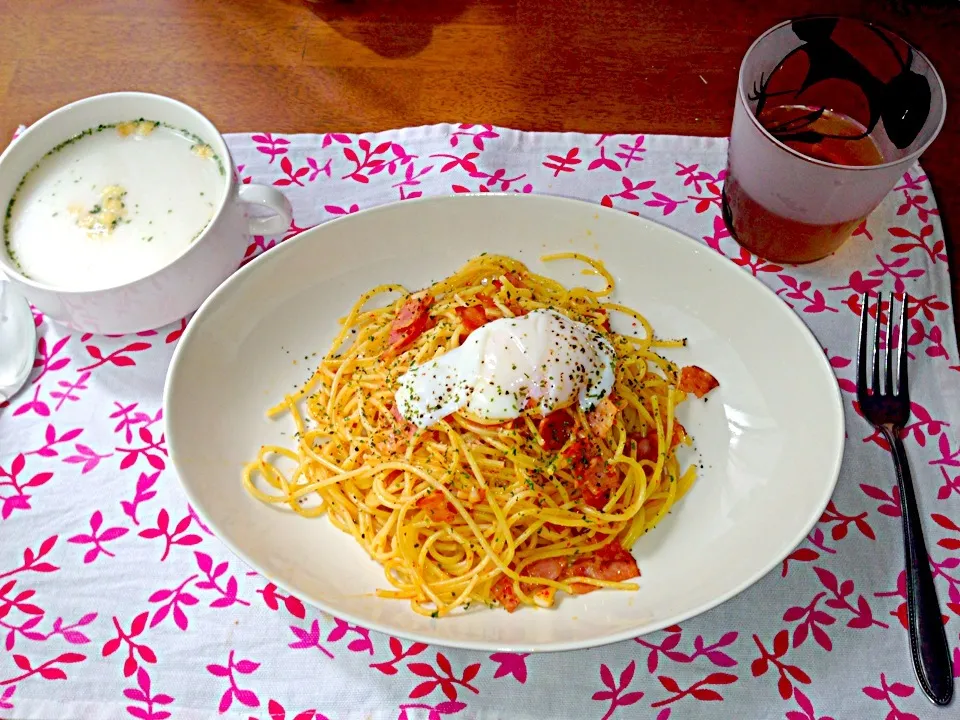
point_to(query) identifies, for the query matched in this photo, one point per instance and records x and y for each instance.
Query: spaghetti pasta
(469, 510)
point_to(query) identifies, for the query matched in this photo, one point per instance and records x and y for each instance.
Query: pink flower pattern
(114, 593)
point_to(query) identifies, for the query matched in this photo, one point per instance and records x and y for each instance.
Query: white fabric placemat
(115, 601)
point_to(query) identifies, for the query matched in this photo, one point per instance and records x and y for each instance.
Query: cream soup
(112, 204)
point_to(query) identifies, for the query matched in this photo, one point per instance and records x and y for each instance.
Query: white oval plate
(770, 439)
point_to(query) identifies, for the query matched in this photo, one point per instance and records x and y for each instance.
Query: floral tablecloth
(116, 601)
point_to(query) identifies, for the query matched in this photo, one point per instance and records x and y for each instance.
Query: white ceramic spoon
(18, 339)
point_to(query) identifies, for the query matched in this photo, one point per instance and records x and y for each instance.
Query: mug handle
(272, 199)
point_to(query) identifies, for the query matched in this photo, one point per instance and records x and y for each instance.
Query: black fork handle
(928, 641)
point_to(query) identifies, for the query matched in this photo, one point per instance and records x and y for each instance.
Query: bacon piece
(489, 306)
(503, 593)
(606, 322)
(598, 482)
(437, 507)
(612, 563)
(472, 317)
(646, 445)
(410, 322)
(396, 437)
(551, 568)
(696, 380)
(616, 564)
(679, 434)
(580, 452)
(643, 447)
(411, 310)
(516, 281)
(555, 429)
(602, 417)
(594, 477)
(492, 310)
(515, 308)
(513, 278)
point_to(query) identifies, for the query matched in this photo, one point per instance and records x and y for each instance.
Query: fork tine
(888, 359)
(862, 349)
(875, 387)
(903, 386)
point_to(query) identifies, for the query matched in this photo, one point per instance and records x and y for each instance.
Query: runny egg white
(540, 360)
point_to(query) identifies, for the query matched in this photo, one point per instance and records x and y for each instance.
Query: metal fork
(888, 409)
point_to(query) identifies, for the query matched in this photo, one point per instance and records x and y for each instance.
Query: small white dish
(770, 439)
(174, 289)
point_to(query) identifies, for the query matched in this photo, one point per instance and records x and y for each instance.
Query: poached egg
(540, 360)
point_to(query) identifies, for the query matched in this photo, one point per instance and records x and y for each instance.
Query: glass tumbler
(830, 112)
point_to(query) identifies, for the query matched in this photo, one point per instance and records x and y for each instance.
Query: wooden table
(659, 66)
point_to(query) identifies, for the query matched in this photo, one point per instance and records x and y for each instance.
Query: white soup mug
(174, 289)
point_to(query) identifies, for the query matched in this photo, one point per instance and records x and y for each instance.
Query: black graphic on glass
(847, 68)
